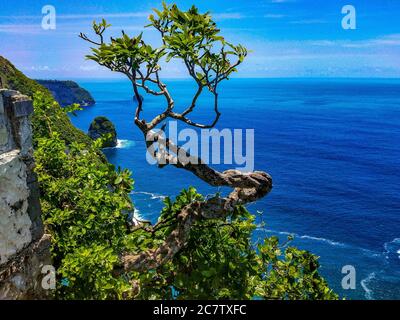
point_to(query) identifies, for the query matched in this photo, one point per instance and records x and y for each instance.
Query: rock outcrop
(24, 248)
(68, 92)
(101, 127)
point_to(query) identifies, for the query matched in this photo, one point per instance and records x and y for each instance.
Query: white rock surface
(15, 223)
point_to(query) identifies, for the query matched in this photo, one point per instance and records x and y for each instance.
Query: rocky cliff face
(24, 248)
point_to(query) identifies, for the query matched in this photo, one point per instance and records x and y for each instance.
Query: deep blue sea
(331, 146)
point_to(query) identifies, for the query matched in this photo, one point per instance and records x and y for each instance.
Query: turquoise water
(331, 146)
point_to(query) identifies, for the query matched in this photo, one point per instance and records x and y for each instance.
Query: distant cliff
(68, 92)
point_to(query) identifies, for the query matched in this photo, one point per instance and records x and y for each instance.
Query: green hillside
(12, 78)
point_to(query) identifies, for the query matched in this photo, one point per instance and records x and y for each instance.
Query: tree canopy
(201, 247)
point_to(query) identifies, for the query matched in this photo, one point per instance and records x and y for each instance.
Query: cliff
(24, 248)
(25, 123)
(12, 78)
(68, 92)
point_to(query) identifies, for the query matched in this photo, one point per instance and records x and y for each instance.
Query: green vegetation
(12, 78)
(103, 128)
(221, 262)
(85, 203)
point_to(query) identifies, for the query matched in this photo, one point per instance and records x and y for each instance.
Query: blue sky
(288, 38)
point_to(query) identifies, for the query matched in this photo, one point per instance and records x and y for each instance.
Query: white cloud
(97, 15)
(282, 1)
(20, 28)
(89, 67)
(105, 15)
(387, 40)
(83, 16)
(274, 16)
(309, 21)
(38, 68)
(323, 43)
(228, 16)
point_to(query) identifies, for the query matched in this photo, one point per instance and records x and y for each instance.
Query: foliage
(195, 39)
(188, 36)
(221, 262)
(85, 203)
(14, 79)
(290, 274)
(103, 128)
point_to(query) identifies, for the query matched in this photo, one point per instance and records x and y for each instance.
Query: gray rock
(3, 134)
(22, 106)
(8, 93)
(15, 223)
(24, 248)
(1, 104)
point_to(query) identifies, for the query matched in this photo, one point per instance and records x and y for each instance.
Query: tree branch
(258, 184)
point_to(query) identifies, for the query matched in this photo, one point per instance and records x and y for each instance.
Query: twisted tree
(85, 200)
(194, 39)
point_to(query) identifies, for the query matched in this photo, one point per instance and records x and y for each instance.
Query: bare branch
(86, 38)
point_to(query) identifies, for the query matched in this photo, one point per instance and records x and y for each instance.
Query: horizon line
(236, 78)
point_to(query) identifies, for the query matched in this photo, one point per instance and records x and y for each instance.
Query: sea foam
(124, 144)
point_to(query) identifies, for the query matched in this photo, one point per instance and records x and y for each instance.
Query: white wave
(391, 247)
(153, 196)
(295, 235)
(135, 217)
(394, 241)
(365, 282)
(124, 144)
(331, 242)
(136, 214)
(278, 232)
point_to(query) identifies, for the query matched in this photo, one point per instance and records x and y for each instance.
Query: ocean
(332, 147)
